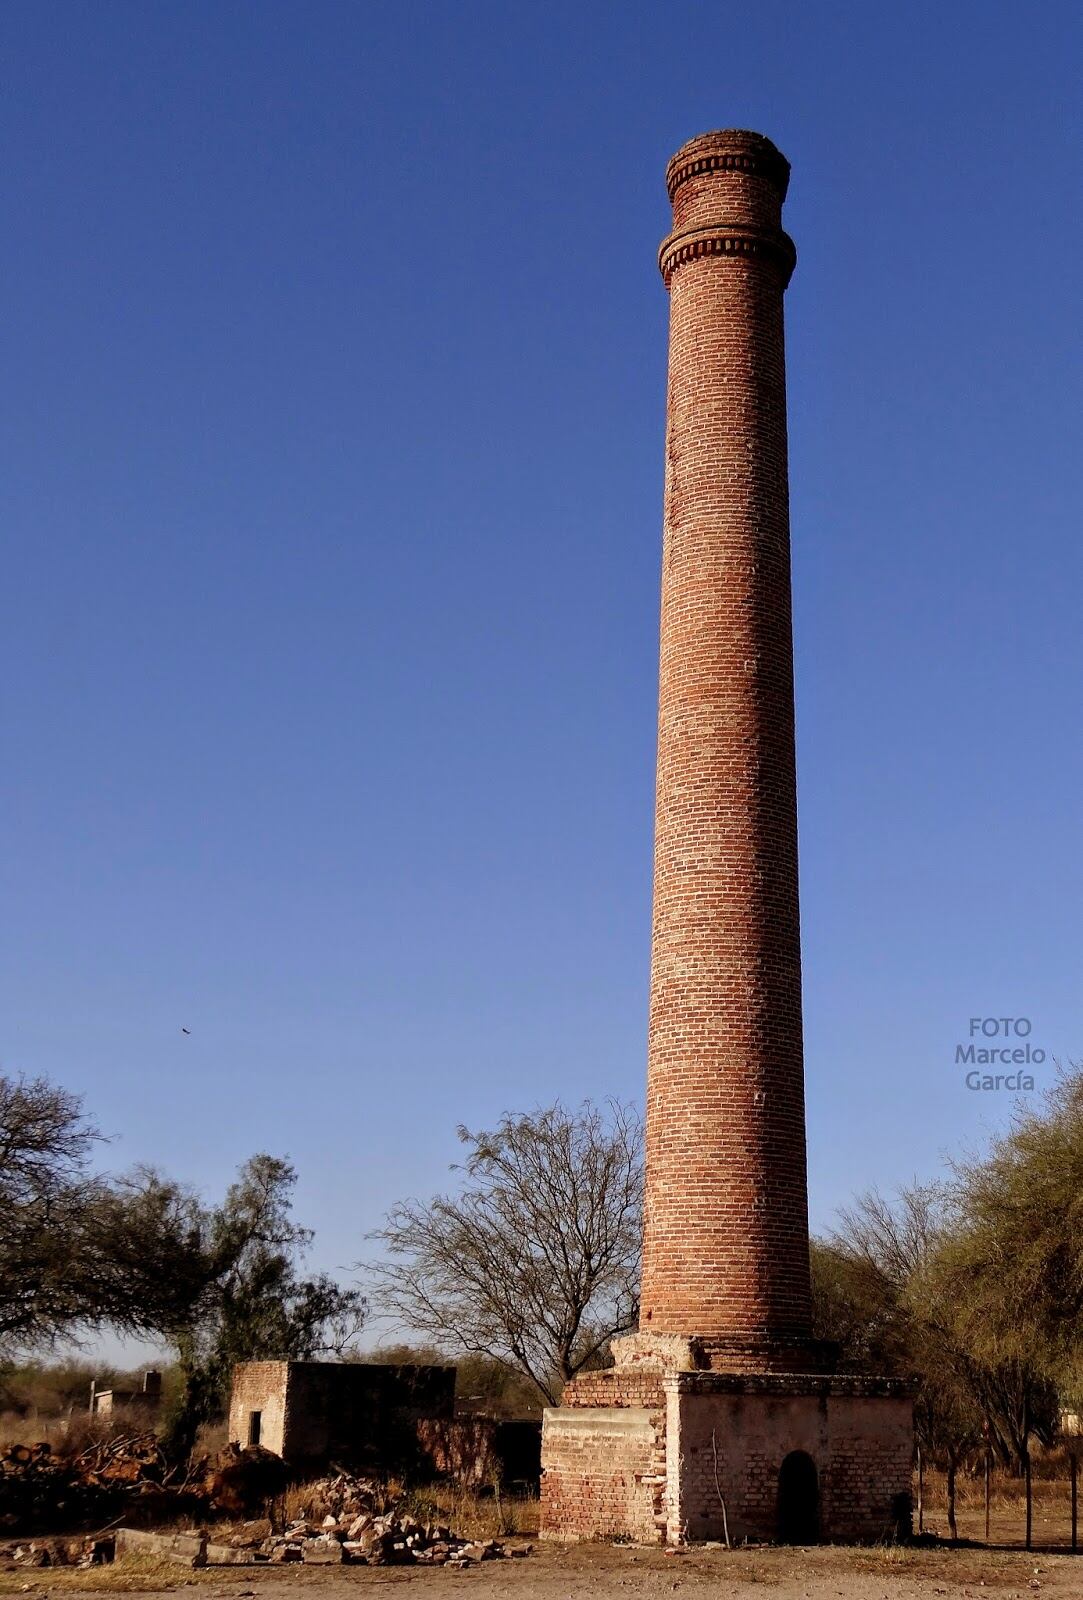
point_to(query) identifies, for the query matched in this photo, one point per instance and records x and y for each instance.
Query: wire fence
(982, 1502)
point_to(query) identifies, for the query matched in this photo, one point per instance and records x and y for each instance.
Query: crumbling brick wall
(259, 1390)
(461, 1448)
(602, 1473)
(481, 1450)
(358, 1413)
(604, 1458)
(616, 1386)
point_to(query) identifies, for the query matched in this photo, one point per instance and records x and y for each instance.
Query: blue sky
(334, 360)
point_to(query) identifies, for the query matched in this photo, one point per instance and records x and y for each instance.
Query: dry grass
(470, 1512)
(15, 1429)
(72, 1434)
(474, 1515)
(1052, 1526)
(136, 1575)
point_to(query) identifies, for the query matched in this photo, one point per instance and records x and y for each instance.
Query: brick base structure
(798, 1457)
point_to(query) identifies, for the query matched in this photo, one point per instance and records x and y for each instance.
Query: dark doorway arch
(798, 1500)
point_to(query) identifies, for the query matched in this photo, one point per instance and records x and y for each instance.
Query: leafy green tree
(1015, 1257)
(889, 1286)
(219, 1284)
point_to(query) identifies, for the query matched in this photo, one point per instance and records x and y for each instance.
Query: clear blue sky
(334, 358)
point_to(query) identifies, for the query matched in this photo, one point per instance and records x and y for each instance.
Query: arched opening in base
(798, 1500)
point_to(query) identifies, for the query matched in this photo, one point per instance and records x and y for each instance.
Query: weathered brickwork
(615, 1387)
(604, 1473)
(356, 1412)
(731, 1442)
(480, 1450)
(726, 1240)
(259, 1389)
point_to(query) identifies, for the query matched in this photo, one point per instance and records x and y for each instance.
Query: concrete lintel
(617, 1420)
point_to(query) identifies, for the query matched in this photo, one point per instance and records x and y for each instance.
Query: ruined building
(143, 1402)
(357, 1413)
(377, 1417)
(722, 1401)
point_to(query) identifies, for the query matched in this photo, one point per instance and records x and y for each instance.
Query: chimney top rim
(728, 150)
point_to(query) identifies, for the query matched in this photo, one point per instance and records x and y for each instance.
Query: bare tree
(536, 1260)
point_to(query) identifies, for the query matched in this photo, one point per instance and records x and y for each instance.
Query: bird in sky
(186, 1030)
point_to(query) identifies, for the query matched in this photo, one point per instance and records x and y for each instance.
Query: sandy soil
(554, 1572)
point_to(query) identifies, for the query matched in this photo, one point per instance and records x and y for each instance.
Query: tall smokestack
(726, 1233)
(722, 1417)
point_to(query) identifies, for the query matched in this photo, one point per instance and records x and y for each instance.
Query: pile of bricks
(392, 1539)
(80, 1552)
(346, 1520)
(360, 1524)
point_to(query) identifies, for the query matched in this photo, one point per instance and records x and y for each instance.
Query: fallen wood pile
(128, 1479)
(43, 1488)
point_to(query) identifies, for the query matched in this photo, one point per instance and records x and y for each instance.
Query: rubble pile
(354, 1519)
(344, 1519)
(391, 1539)
(82, 1552)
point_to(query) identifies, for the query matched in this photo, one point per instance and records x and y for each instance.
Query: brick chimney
(722, 1417)
(726, 1235)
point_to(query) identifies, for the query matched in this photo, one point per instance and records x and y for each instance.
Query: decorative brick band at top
(766, 162)
(778, 248)
(852, 1385)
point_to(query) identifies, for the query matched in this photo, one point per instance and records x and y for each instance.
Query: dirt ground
(614, 1572)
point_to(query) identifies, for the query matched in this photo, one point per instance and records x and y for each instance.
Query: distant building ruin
(378, 1418)
(148, 1399)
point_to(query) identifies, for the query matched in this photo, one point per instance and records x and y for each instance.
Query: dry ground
(613, 1572)
(621, 1572)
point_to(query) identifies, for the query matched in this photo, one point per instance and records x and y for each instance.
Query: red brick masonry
(722, 1394)
(650, 1461)
(726, 1240)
